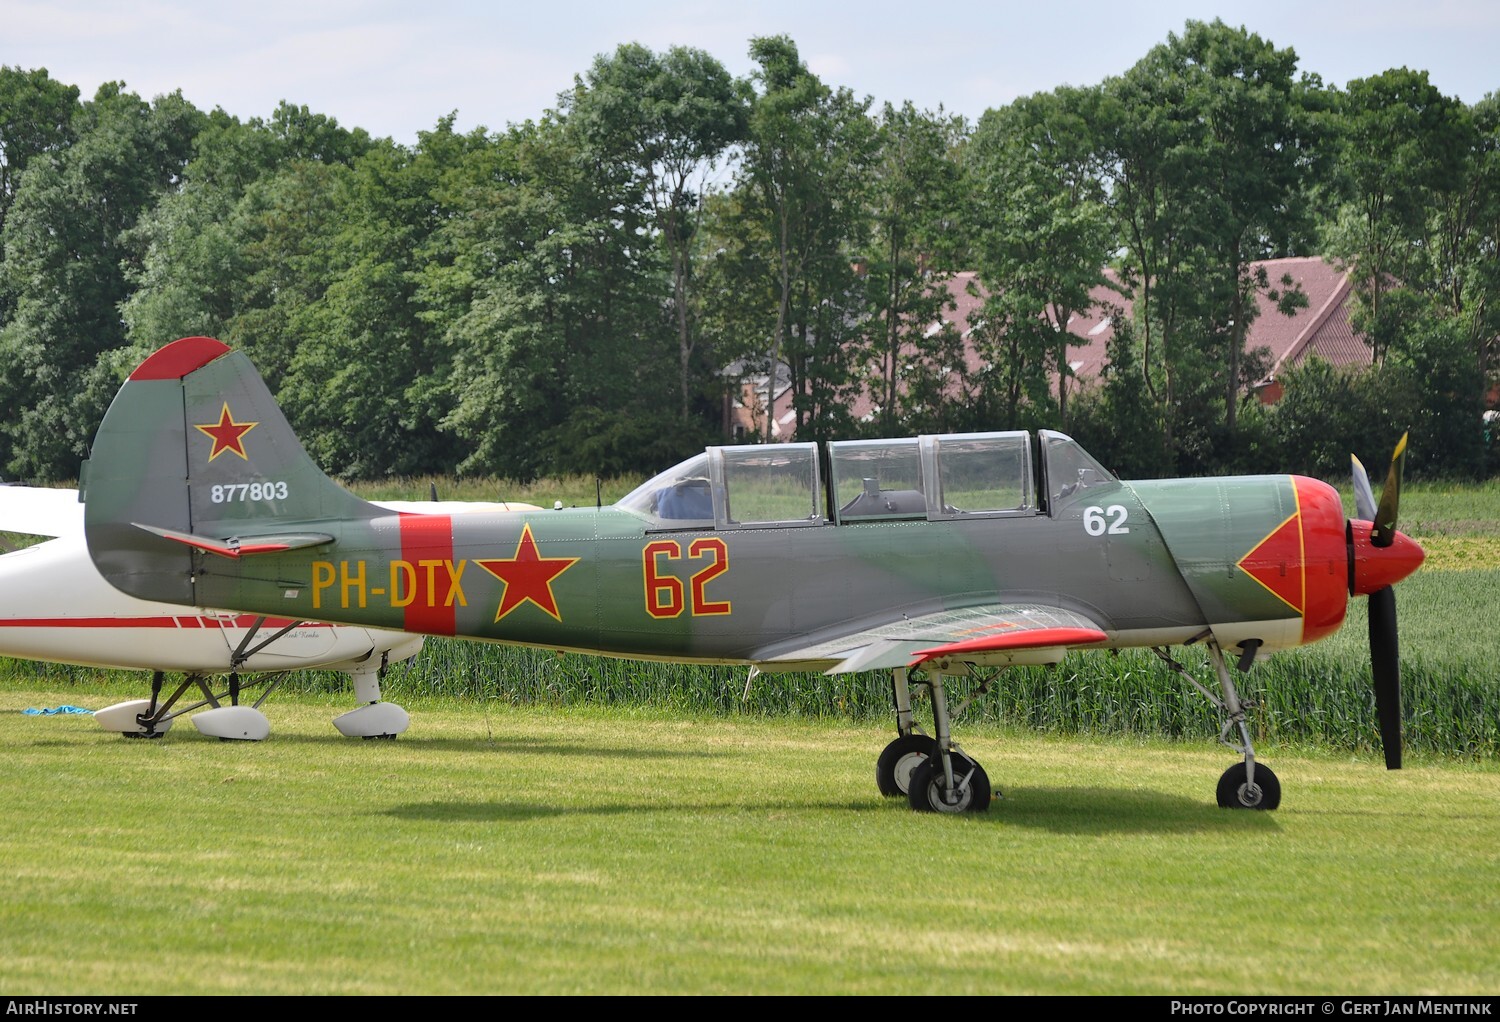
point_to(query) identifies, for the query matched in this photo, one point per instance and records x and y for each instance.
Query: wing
(452, 507)
(995, 633)
(40, 511)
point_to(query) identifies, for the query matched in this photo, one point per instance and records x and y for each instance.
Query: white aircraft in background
(55, 606)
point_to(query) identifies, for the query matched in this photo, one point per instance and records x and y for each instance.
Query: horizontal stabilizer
(235, 547)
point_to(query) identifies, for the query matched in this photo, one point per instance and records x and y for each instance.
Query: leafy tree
(1442, 385)
(1115, 420)
(365, 350)
(190, 278)
(1318, 420)
(249, 242)
(1241, 89)
(1203, 143)
(557, 360)
(1013, 342)
(69, 252)
(734, 262)
(805, 165)
(670, 118)
(1144, 153)
(36, 117)
(1041, 237)
(1465, 232)
(915, 196)
(1401, 143)
(304, 135)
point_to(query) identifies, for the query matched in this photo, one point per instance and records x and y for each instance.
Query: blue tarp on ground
(34, 712)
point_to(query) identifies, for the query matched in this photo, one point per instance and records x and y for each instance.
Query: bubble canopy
(937, 477)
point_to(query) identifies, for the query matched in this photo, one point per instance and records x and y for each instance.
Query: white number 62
(1095, 524)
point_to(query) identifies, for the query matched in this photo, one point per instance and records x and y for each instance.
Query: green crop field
(570, 824)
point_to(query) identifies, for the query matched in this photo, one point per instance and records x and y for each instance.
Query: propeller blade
(1385, 669)
(1364, 497)
(1390, 495)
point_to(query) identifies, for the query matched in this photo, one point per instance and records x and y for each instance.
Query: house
(1322, 328)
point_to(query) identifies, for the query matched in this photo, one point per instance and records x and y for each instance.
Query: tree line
(585, 291)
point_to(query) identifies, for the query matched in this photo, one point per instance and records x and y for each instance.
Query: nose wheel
(1238, 790)
(1249, 784)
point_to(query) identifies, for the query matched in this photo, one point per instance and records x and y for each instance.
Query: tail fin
(194, 456)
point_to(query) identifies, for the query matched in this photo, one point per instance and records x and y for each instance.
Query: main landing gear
(1247, 784)
(933, 773)
(373, 718)
(151, 718)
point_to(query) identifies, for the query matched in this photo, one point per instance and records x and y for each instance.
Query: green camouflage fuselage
(198, 493)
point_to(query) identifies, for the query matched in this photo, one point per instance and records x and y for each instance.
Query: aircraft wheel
(926, 793)
(893, 768)
(1234, 793)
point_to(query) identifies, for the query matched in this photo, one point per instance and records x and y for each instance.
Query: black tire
(926, 787)
(1234, 793)
(897, 761)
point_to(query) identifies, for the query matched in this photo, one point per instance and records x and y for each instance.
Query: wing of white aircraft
(40, 511)
(54, 606)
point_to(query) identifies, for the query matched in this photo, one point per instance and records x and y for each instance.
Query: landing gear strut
(897, 761)
(372, 719)
(933, 773)
(152, 718)
(1247, 784)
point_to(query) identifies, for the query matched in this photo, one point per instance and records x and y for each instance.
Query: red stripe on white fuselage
(55, 606)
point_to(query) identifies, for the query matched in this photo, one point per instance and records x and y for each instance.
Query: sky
(395, 67)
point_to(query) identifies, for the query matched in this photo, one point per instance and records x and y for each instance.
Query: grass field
(576, 825)
(518, 850)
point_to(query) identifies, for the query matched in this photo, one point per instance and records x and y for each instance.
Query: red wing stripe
(243, 621)
(261, 548)
(1032, 638)
(90, 622)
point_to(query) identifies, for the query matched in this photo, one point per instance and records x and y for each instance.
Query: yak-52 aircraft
(942, 553)
(54, 606)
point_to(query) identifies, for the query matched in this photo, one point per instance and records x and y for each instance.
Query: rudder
(194, 445)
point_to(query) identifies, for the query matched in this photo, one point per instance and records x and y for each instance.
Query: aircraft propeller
(1385, 660)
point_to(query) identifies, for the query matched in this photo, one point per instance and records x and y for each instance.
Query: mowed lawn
(501, 850)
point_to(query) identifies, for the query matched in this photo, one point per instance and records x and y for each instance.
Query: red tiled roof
(1322, 327)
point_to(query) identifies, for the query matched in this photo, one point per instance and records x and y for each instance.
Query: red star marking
(527, 576)
(227, 434)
